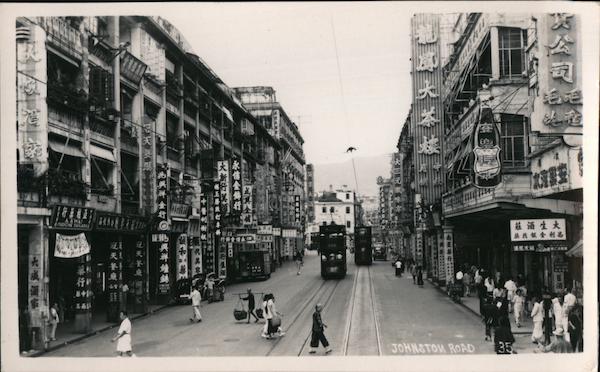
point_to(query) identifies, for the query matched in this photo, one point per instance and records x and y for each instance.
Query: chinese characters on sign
(217, 208)
(223, 177)
(138, 274)
(441, 256)
(203, 217)
(148, 164)
(247, 205)
(538, 229)
(112, 221)
(449, 251)
(486, 150)
(196, 250)
(427, 113)
(35, 282)
(32, 112)
(419, 247)
(563, 95)
(182, 257)
(236, 186)
(67, 217)
(114, 271)
(83, 290)
(297, 208)
(162, 227)
(222, 261)
(71, 246)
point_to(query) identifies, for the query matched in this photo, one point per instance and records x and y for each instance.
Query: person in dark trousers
(318, 328)
(548, 323)
(489, 317)
(576, 328)
(413, 271)
(419, 276)
(251, 305)
(398, 265)
(503, 337)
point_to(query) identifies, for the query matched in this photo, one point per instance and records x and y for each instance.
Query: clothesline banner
(71, 246)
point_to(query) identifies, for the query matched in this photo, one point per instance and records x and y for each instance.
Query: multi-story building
(289, 175)
(405, 208)
(336, 207)
(136, 165)
(508, 107)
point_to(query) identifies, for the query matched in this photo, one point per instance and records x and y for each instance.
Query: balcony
(60, 33)
(66, 119)
(174, 86)
(64, 95)
(66, 183)
(103, 127)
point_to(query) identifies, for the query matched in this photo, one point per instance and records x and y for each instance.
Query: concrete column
(495, 45)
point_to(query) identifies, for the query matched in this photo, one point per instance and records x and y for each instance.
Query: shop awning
(61, 147)
(576, 250)
(102, 153)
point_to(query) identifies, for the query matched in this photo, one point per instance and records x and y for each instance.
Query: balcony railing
(62, 34)
(65, 183)
(102, 127)
(66, 119)
(61, 94)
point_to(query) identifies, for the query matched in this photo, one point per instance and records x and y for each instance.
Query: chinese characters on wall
(223, 176)
(182, 256)
(247, 204)
(114, 271)
(162, 238)
(236, 186)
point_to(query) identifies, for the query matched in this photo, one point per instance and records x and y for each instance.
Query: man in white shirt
(570, 299)
(511, 289)
(196, 298)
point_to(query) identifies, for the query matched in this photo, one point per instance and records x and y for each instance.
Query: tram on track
(363, 253)
(332, 248)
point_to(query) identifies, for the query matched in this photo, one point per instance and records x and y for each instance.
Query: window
(331, 209)
(514, 145)
(324, 209)
(348, 224)
(348, 210)
(102, 172)
(347, 196)
(512, 52)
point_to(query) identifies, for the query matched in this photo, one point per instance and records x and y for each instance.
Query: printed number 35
(505, 347)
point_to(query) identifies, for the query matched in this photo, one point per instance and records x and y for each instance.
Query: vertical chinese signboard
(163, 229)
(297, 208)
(247, 205)
(427, 113)
(83, 293)
(196, 251)
(449, 250)
(223, 177)
(32, 112)
(217, 209)
(148, 152)
(182, 257)
(560, 75)
(138, 275)
(114, 279)
(203, 217)
(236, 186)
(441, 256)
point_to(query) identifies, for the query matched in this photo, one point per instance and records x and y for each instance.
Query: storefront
(248, 256)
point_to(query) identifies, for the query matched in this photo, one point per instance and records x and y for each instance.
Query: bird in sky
(351, 149)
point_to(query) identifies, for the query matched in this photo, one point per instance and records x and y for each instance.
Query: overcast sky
(291, 47)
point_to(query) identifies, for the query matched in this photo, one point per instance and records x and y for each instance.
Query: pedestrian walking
(413, 271)
(489, 285)
(196, 299)
(501, 304)
(518, 303)
(251, 305)
(419, 276)
(124, 335)
(398, 265)
(489, 317)
(537, 314)
(267, 315)
(576, 328)
(557, 312)
(299, 261)
(559, 345)
(547, 311)
(274, 318)
(318, 332)
(468, 282)
(503, 338)
(511, 289)
(53, 321)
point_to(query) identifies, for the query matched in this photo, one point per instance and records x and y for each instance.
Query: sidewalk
(472, 303)
(65, 334)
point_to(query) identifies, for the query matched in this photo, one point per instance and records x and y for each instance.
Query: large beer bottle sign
(486, 151)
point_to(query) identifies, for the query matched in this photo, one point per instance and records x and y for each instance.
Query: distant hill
(367, 171)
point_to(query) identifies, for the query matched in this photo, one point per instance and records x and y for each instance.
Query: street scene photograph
(319, 181)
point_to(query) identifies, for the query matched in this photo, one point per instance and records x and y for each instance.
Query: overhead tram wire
(344, 106)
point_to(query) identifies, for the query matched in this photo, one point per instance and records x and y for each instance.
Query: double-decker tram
(363, 251)
(332, 248)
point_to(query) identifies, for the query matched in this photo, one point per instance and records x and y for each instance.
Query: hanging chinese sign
(162, 201)
(449, 252)
(182, 257)
(556, 171)
(486, 150)
(83, 285)
(247, 204)
(71, 246)
(32, 111)
(297, 208)
(419, 246)
(427, 113)
(217, 209)
(138, 274)
(148, 167)
(223, 177)
(106, 221)
(196, 252)
(66, 217)
(441, 256)
(222, 261)
(203, 217)
(35, 300)
(538, 229)
(114, 271)
(560, 89)
(208, 257)
(236, 186)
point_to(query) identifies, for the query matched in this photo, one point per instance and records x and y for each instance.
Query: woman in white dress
(124, 335)
(537, 313)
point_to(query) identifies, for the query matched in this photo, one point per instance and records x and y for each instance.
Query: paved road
(370, 312)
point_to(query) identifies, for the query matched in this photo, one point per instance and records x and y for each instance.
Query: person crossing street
(251, 305)
(196, 299)
(318, 329)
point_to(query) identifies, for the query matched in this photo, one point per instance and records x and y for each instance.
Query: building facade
(136, 165)
(508, 107)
